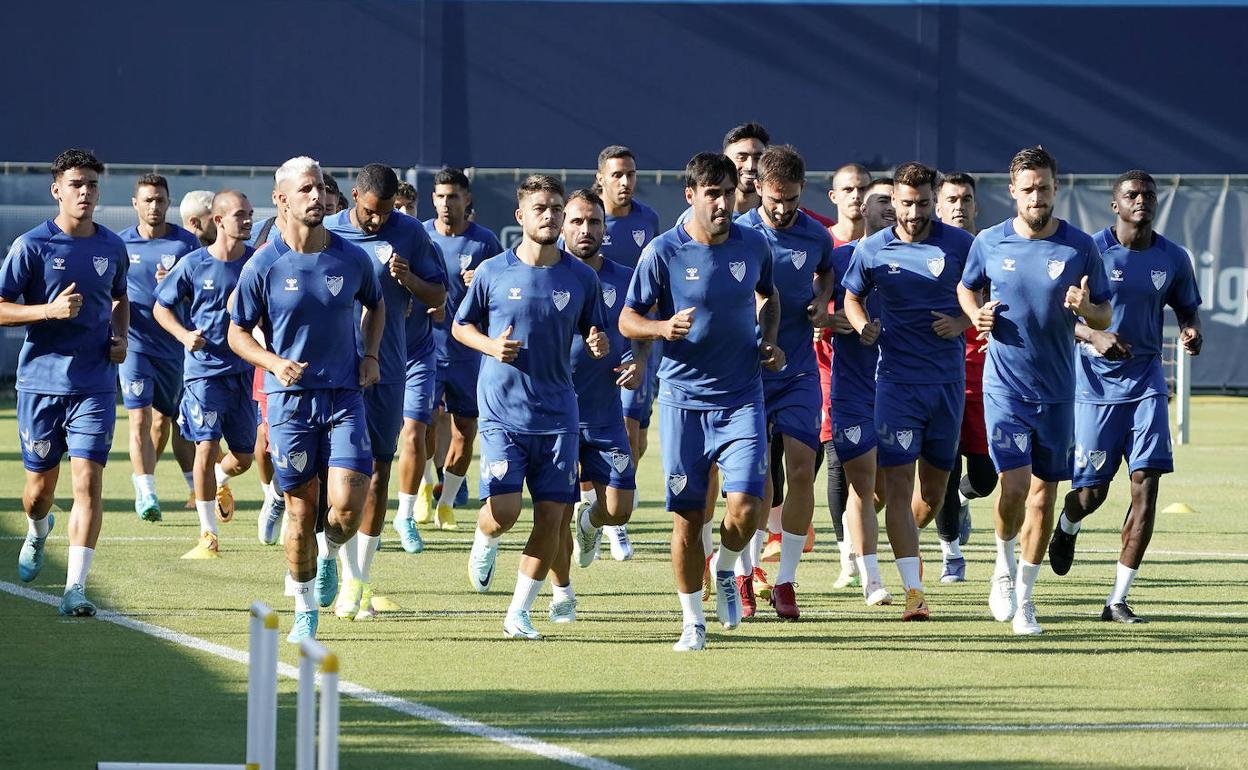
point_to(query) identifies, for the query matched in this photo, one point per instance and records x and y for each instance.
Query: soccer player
(464, 246)
(1043, 273)
(851, 415)
(801, 254)
(406, 267)
(70, 274)
(151, 375)
(302, 289)
(604, 456)
(955, 205)
(711, 283)
(405, 199)
(196, 212)
(848, 194)
(915, 268)
(1120, 388)
(630, 225)
(522, 310)
(216, 401)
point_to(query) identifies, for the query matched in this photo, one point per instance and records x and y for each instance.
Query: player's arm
(983, 317)
(372, 324)
(825, 285)
(1107, 344)
(503, 347)
(768, 308)
(430, 292)
(1097, 315)
(191, 339)
(1190, 336)
(856, 313)
(120, 319)
(63, 306)
(632, 368)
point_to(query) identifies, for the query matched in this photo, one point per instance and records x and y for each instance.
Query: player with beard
(1043, 274)
(1120, 396)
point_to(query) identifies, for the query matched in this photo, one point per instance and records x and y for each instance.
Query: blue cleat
(481, 566)
(270, 517)
(461, 497)
(409, 536)
(326, 581)
(75, 603)
(954, 571)
(304, 627)
(30, 559)
(147, 507)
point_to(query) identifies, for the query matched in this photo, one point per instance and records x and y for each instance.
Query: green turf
(82, 690)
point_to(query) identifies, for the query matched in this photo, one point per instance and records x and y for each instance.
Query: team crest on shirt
(691, 274)
(560, 298)
(1097, 458)
(1055, 268)
(1020, 441)
(639, 236)
(1115, 275)
(1159, 278)
(298, 460)
(853, 434)
(677, 482)
(905, 438)
(100, 264)
(133, 387)
(383, 251)
(513, 292)
(209, 285)
(58, 263)
(136, 259)
(167, 261)
(497, 468)
(1007, 264)
(894, 268)
(608, 296)
(464, 261)
(334, 284)
(799, 259)
(936, 265)
(292, 284)
(619, 460)
(737, 269)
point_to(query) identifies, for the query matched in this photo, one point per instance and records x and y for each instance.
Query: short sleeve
(474, 309)
(974, 272)
(369, 293)
(249, 299)
(766, 282)
(593, 311)
(1098, 282)
(1184, 294)
(176, 286)
(121, 275)
(825, 263)
(16, 271)
(427, 263)
(857, 277)
(648, 281)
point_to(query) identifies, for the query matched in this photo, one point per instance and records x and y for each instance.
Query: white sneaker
(1025, 620)
(518, 626)
(563, 611)
(1002, 600)
(877, 595)
(348, 605)
(727, 602)
(692, 638)
(481, 566)
(585, 542)
(621, 548)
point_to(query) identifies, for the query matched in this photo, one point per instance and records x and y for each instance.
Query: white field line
(887, 728)
(451, 721)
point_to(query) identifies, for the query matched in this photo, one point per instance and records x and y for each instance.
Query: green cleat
(30, 559)
(147, 507)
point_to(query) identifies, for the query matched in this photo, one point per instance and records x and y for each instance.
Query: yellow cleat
(446, 517)
(225, 504)
(350, 598)
(424, 504)
(366, 610)
(206, 548)
(916, 606)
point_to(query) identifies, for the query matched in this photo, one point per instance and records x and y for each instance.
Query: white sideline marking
(451, 721)
(887, 728)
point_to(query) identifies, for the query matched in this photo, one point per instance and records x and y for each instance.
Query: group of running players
(888, 344)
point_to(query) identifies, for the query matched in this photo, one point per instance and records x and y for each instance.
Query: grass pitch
(846, 686)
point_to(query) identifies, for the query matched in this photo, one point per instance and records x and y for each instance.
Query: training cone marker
(1178, 508)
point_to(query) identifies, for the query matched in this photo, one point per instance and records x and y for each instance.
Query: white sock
(431, 478)
(790, 554)
(1025, 582)
(773, 520)
(562, 593)
(526, 592)
(406, 504)
(326, 548)
(1005, 555)
(482, 539)
(849, 539)
(725, 561)
(223, 478)
(39, 528)
(365, 550)
(1122, 584)
(302, 593)
(950, 549)
(691, 608)
(207, 510)
(908, 566)
(146, 483)
(348, 557)
(270, 494)
(1068, 526)
(708, 538)
(80, 565)
(589, 495)
(745, 563)
(188, 476)
(842, 546)
(585, 521)
(962, 499)
(869, 566)
(450, 487)
(760, 539)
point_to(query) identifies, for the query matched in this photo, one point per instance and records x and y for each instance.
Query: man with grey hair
(196, 211)
(301, 289)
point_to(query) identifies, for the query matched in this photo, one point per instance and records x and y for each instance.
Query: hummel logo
(1115, 274)
(894, 268)
(513, 292)
(58, 263)
(292, 284)
(1007, 264)
(136, 259)
(208, 285)
(691, 274)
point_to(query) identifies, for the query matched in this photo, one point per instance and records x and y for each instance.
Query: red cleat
(771, 549)
(745, 587)
(784, 599)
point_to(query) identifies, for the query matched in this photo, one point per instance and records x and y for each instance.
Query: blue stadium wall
(1105, 85)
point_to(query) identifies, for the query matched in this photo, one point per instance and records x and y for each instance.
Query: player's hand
(870, 333)
(193, 340)
(819, 317)
(840, 324)
(678, 326)
(597, 343)
(1191, 339)
(437, 314)
(65, 305)
(466, 277)
(1110, 345)
(505, 348)
(161, 272)
(117, 349)
(771, 356)
(631, 375)
(399, 269)
(288, 372)
(1077, 297)
(946, 326)
(986, 318)
(370, 371)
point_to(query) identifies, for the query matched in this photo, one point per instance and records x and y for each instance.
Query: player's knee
(243, 460)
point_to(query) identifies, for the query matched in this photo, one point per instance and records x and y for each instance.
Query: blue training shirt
(626, 236)
(1141, 284)
(1031, 349)
(205, 282)
(913, 280)
(597, 395)
(546, 307)
(717, 365)
(305, 305)
(798, 252)
(465, 251)
(146, 336)
(70, 356)
(853, 363)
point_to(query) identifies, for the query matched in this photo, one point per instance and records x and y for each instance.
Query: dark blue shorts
(1022, 433)
(50, 426)
(694, 439)
(913, 421)
(1106, 433)
(547, 463)
(313, 428)
(383, 411)
(457, 386)
(220, 407)
(147, 381)
(606, 458)
(853, 429)
(793, 408)
(422, 379)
